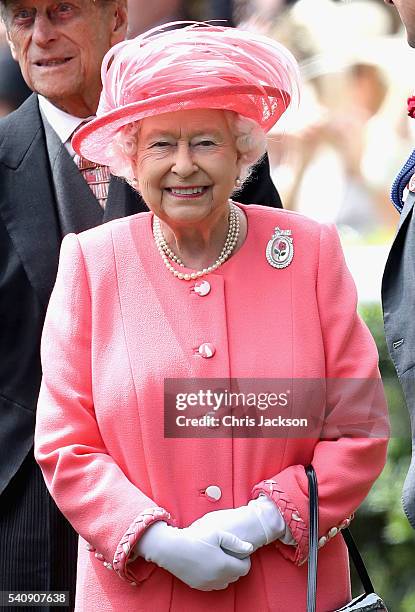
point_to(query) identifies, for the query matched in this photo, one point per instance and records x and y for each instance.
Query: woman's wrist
(149, 546)
(126, 547)
(269, 516)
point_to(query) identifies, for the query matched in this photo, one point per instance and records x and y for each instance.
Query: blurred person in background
(260, 15)
(333, 165)
(335, 168)
(144, 14)
(45, 193)
(13, 88)
(398, 287)
(220, 9)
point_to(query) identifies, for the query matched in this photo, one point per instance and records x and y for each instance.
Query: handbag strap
(313, 537)
(358, 561)
(313, 546)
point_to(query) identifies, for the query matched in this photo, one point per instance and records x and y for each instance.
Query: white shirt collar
(62, 123)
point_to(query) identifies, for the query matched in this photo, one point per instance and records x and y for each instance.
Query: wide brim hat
(192, 67)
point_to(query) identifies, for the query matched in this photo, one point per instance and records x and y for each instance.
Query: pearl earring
(237, 182)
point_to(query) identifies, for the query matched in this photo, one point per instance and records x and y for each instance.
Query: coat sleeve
(91, 490)
(350, 455)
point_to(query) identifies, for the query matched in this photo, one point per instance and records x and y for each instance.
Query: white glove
(260, 522)
(195, 556)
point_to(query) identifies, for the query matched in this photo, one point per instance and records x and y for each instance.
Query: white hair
(250, 142)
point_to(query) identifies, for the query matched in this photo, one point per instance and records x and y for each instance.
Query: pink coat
(118, 324)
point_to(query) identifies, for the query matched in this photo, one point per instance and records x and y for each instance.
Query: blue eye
(64, 8)
(160, 144)
(23, 16)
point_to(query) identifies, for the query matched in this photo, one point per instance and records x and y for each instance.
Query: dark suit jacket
(398, 299)
(30, 237)
(30, 234)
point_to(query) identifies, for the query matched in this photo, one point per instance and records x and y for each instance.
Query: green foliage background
(384, 536)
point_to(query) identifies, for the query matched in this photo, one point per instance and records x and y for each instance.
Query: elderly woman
(198, 288)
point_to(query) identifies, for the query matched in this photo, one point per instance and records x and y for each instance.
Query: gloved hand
(196, 556)
(259, 522)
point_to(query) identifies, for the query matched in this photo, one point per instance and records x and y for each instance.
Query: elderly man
(398, 287)
(45, 193)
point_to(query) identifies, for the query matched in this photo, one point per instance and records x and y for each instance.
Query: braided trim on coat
(131, 537)
(299, 529)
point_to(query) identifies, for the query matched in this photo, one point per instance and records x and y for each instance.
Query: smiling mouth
(52, 62)
(187, 192)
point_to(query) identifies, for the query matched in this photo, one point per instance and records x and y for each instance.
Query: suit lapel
(404, 220)
(78, 209)
(407, 209)
(28, 201)
(26, 198)
(394, 261)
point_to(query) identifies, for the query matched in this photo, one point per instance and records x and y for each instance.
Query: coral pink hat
(196, 66)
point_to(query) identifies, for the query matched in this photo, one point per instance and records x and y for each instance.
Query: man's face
(60, 45)
(406, 10)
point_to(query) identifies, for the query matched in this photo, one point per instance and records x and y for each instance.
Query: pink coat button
(207, 350)
(213, 492)
(202, 288)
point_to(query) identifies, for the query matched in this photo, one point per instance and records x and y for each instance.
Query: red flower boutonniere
(411, 107)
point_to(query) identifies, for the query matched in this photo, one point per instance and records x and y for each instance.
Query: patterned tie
(402, 181)
(97, 176)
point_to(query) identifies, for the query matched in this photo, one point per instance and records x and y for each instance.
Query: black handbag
(369, 601)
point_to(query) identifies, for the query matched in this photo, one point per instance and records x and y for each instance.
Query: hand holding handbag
(369, 601)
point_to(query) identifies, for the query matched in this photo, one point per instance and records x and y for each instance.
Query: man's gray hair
(3, 11)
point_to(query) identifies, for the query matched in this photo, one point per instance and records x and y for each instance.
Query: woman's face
(186, 165)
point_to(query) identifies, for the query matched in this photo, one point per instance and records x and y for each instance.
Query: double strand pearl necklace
(167, 254)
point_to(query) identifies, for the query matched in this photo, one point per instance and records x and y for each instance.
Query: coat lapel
(26, 197)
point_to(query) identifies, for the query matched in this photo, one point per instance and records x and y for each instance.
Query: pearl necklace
(167, 254)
